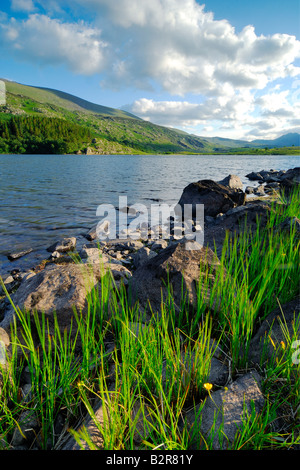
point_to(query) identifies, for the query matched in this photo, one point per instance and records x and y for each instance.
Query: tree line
(41, 135)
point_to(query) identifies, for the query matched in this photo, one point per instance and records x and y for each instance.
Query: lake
(46, 197)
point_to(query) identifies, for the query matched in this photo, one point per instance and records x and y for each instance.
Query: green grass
(154, 375)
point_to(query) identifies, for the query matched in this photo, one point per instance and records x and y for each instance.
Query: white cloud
(48, 41)
(173, 43)
(185, 50)
(184, 114)
(236, 115)
(23, 5)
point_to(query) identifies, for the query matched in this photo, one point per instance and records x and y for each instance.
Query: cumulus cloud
(52, 42)
(239, 115)
(184, 49)
(184, 113)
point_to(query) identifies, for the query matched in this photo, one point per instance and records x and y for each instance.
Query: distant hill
(287, 140)
(105, 130)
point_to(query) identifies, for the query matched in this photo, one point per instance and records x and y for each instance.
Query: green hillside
(61, 99)
(104, 130)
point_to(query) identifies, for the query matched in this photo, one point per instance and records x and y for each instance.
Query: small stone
(232, 181)
(260, 190)
(63, 246)
(20, 254)
(159, 245)
(249, 190)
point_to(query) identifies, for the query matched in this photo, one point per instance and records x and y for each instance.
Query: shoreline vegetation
(151, 345)
(51, 135)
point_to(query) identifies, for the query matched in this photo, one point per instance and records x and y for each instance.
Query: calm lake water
(45, 197)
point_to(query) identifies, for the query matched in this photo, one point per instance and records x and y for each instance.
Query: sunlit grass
(154, 373)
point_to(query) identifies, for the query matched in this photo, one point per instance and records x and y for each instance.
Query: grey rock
(92, 426)
(249, 190)
(272, 185)
(60, 289)
(292, 175)
(142, 256)
(63, 246)
(9, 284)
(232, 181)
(260, 190)
(26, 431)
(254, 176)
(159, 245)
(19, 254)
(266, 343)
(223, 411)
(215, 197)
(4, 352)
(235, 222)
(179, 266)
(124, 245)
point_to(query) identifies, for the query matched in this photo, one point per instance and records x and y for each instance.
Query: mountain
(287, 140)
(114, 131)
(43, 120)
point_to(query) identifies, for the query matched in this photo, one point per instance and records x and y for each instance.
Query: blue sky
(229, 68)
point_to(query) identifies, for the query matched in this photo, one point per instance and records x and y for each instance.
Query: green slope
(62, 99)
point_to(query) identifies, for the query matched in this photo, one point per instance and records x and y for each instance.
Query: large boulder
(181, 266)
(293, 175)
(234, 222)
(215, 197)
(290, 181)
(60, 289)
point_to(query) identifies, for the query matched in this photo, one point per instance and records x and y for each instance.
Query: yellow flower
(282, 344)
(208, 386)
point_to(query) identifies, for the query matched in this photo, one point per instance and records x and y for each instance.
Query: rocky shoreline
(57, 284)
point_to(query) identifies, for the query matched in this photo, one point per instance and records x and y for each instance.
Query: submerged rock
(19, 254)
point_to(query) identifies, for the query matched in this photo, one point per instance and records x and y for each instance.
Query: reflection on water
(44, 197)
